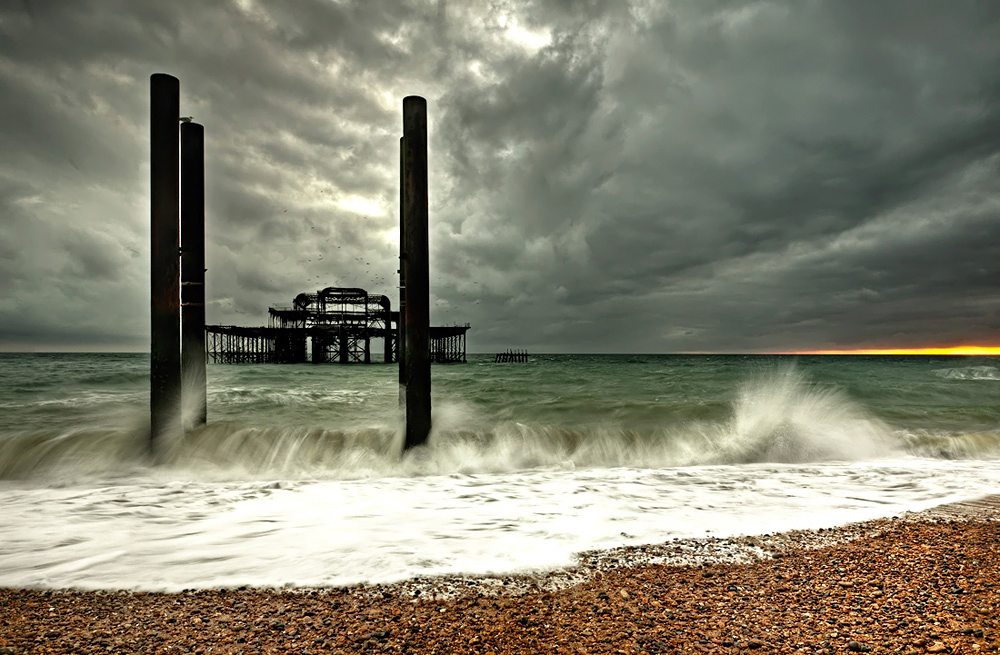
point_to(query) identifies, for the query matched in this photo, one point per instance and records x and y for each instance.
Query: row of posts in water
(511, 356)
(177, 262)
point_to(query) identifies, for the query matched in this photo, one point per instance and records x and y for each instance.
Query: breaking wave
(970, 373)
(776, 416)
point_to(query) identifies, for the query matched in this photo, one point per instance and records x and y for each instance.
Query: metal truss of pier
(517, 356)
(448, 343)
(335, 324)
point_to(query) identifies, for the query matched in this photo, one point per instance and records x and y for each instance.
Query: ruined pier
(333, 325)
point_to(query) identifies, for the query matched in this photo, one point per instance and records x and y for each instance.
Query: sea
(299, 478)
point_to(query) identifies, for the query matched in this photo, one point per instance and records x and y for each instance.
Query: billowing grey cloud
(605, 175)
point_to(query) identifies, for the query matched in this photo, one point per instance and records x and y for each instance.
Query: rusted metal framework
(234, 344)
(516, 356)
(448, 343)
(334, 324)
(340, 324)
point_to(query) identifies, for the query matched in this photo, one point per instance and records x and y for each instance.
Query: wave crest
(776, 416)
(969, 373)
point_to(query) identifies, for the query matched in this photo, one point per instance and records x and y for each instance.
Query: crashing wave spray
(780, 417)
(777, 416)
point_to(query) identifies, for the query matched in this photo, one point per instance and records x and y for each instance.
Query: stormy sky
(605, 176)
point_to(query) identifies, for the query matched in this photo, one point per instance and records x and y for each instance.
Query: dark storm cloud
(605, 175)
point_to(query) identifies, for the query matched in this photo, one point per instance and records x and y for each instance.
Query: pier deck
(333, 325)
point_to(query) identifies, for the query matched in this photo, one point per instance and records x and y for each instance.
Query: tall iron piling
(416, 271)
(165, 344)
(401, 325)
(193, 354)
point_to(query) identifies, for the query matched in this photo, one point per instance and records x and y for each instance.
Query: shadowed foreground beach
(921, 583)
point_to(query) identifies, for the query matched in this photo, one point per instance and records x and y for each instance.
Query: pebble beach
(926, 582)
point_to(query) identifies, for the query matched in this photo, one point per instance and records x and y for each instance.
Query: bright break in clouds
(605, 176)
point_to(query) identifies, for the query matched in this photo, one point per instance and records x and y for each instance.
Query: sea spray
(781, 416)
(299, 477)
(336, 422)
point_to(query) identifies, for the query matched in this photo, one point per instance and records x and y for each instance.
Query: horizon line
(960, 351)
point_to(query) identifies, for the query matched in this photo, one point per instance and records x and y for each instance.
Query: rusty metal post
(165, 343)
(401, 324)
(387, 333)
(418, 360)
(193, 269)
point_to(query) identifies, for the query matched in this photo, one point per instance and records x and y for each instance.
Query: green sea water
(592, 410)
(298, 477)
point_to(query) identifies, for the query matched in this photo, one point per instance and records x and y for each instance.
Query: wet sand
(919, 583)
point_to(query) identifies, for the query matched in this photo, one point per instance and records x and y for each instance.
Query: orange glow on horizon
(940, 350)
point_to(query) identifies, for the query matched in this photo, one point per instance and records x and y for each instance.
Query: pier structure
(416, 273)
(177, 263)
(192, 242)
(165, 296)
(343, 323)
(511, 356)
(448, 343)
(333, 325)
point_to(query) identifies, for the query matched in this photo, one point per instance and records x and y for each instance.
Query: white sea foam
(151, 534)
(778, 416)
(781, 417)
(298, 475)
(970, 373)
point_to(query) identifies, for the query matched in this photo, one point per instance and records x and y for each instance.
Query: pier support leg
(193, 269)
(165, 342)
(418, 364)
(401, 325)
(387, 334)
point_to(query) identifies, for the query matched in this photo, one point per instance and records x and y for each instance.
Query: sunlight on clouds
(360, 205)
(395, 39)
(527, 39)
(389, 100)
(532, 40)
(255, 11)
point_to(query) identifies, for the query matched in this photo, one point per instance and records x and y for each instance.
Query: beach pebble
(584, 610)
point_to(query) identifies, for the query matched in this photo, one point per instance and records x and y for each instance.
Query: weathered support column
(418, 364)
(387, 333)
(164, 203)
(401, 326)
(193, 269)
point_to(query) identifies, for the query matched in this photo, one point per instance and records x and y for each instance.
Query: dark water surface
(298, 478)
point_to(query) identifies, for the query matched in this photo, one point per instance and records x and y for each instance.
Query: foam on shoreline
(679, 553)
